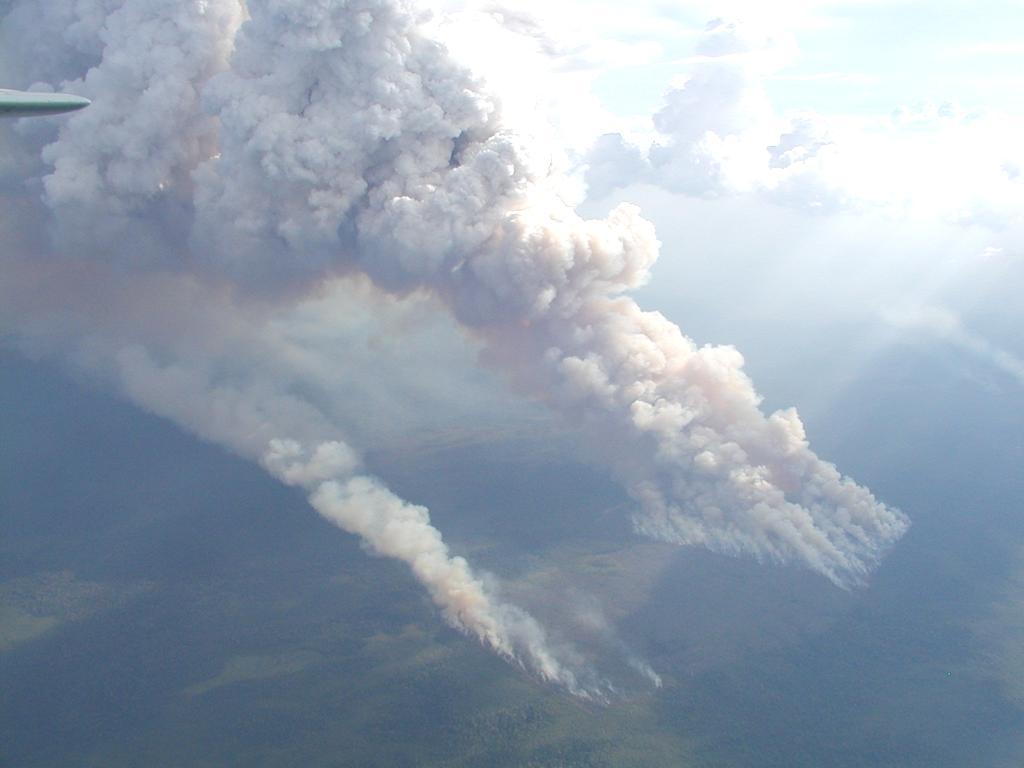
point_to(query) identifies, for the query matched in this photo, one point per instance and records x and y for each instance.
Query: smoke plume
(328, 470)
(255, 152)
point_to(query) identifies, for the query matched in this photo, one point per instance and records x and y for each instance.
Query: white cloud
(717, 133)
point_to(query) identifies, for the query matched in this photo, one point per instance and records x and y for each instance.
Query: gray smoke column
(350, 141)
(261, 150)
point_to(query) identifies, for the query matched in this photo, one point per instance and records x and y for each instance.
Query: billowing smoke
(260, 152)
(378, 154)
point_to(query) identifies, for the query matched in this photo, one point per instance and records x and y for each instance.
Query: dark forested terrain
(165, 604)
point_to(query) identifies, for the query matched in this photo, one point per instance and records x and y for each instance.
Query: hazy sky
(843, 57)
(909, 110)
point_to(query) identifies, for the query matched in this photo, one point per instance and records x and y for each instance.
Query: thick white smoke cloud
(389, 160)
(264, 157)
